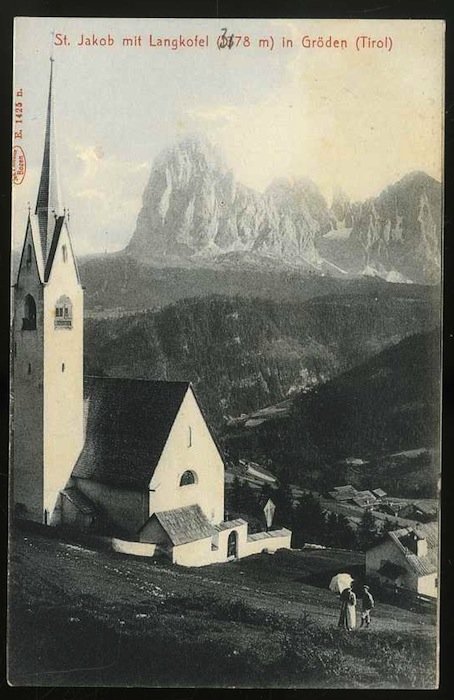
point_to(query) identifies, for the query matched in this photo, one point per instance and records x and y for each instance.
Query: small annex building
(407, 559)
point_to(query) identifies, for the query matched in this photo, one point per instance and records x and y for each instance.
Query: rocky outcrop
(341, 211)
(193, 207)
(194, 212)
(400, 230)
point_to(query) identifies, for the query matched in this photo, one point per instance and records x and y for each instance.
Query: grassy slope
(80, 616)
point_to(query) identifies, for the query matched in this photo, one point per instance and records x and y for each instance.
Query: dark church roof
(53, 247)
(128, 422)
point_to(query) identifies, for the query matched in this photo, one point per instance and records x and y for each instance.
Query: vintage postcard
(225, 353)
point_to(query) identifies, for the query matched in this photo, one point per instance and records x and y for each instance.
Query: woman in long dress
(347, 617)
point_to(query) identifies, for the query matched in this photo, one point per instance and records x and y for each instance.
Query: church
(131, 460)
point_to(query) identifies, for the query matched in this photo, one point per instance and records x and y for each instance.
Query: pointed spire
(47, 203)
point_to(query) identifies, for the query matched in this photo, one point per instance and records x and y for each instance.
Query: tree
(235, 494)
(337, 532)
(247, 500)
(267, 491)
(367, 531)
(309, 521)
(331, 530)
(346, 536)
(389, 525)
(283, 499)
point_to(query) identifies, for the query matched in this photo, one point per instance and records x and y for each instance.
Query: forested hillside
(243, 354)
(388, 404)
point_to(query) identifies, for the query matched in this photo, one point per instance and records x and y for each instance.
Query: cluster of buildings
(422, 511)
(406, 558)
(362, 499)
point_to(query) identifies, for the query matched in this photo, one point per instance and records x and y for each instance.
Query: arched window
(63, 313)
(29, 319)
(232, 544)
(188, 477)
(28, 258)
(64, 252)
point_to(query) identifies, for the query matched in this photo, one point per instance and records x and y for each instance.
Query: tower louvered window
(63, 313)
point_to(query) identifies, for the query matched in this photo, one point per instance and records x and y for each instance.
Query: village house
(419, 510)
(257, 472)
(343, 493)
(407, 559)
(134, 460)
(364, 499)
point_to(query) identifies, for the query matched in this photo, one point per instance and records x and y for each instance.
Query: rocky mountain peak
(195, 212)
(194, 153)
(194, 208)
(401, 228)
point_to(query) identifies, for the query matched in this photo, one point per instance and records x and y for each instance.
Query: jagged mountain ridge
(195, 212)
(194, 207)
(402, 227)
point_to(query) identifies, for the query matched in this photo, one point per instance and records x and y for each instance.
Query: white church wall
(221, 541)
(268, 544)
(140, 549)
(189, 447)
(198, 553)
(63, 375)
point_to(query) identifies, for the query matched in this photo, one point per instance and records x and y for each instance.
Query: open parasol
(339, 582)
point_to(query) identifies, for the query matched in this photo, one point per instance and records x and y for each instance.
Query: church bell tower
(47, 349)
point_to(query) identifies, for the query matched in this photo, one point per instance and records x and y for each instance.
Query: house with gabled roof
(131, 459)
(407, 558)
(364, 499)
(257, 471)
(379, 493)
(343, 493)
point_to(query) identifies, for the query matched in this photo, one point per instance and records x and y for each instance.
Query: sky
(358, 120)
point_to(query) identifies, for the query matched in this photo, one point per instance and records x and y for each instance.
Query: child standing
(367, 605)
